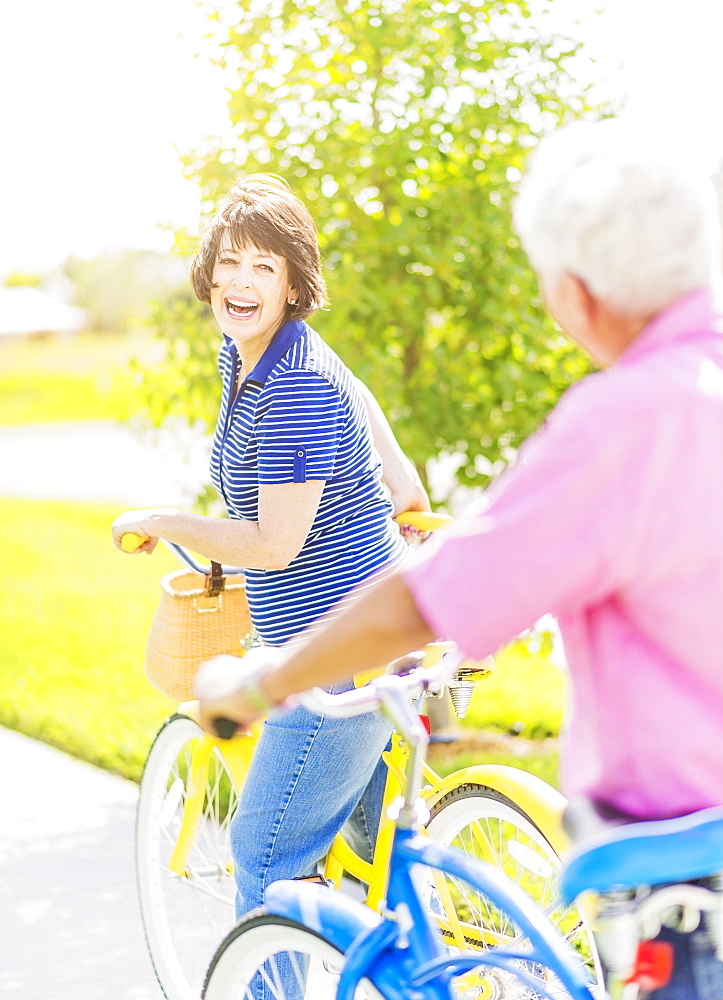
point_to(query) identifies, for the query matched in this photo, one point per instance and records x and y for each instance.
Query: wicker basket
(195, 621)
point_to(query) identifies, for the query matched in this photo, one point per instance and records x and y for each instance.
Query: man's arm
(381, 625)
(551, 538)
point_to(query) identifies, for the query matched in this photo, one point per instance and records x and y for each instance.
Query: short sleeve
(301, 423)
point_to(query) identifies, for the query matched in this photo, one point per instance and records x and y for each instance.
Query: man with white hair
(611, 518)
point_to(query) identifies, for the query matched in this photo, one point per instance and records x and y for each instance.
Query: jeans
(308, 775)
(697, 973)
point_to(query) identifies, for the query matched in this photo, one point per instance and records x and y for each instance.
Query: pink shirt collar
(686, 317)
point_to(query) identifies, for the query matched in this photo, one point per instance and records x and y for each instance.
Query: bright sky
(671, 68)
(96, 95)
(93, 97)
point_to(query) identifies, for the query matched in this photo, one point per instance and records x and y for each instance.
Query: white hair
(638, 228)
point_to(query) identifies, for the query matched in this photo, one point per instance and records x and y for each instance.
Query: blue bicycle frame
(402, 953)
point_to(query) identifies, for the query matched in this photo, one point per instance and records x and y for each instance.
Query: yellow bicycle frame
(542, 803)
(237, 754)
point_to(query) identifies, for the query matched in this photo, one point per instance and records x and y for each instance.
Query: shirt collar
(284, 338)
(696, 312)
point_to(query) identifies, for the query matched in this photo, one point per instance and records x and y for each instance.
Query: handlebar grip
(423, 520)
(225, 729)
(130, 541)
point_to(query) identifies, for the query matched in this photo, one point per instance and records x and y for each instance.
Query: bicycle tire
(507, 837)
(184, 916)
(272, 957)
(269, 950)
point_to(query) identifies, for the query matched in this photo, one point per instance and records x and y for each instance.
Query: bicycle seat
(649, 852)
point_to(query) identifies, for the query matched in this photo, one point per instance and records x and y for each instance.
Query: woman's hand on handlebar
(135, 526)
(409, 495)
(230, 689)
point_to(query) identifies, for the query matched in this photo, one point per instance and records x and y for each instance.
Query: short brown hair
(261, 209)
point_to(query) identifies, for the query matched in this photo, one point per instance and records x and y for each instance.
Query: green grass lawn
(514, 718)
(525, 695)
(539, 757)
(88, 377)
(74, 616)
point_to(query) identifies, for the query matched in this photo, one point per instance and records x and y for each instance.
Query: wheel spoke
(186, 909)
(291, 961)
(486, 826)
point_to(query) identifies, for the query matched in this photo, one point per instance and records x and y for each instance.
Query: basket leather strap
(215, 580)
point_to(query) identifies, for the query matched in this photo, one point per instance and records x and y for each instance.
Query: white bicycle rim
(488, 827)
(278, 959)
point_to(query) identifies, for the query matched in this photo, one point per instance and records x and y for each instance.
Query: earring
(292, 302)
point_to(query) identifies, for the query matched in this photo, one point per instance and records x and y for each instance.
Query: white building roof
(26, 310)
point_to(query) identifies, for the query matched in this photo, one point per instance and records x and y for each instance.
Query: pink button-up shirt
(612, 520)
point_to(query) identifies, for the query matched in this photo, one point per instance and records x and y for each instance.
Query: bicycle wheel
(268, 957)
(185, 915)
(487, 826)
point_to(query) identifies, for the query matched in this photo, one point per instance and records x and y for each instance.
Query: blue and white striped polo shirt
(299, 416)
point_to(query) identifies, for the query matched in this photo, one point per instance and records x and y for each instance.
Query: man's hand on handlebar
(230, 689)
(406, 663)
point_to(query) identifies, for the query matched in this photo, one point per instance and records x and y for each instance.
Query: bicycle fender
(647, 853)
(542, 803)
(321, 909)
(353, 928)
(372, 950)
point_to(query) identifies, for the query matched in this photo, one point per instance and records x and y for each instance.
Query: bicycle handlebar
(418, 520)
(423, 520)
(382, 691)
(374, 694)
(130, 542)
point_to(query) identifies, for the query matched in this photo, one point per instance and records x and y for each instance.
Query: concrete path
(102, 460)
(70, 928)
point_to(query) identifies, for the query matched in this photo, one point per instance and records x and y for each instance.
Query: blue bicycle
(309, 943)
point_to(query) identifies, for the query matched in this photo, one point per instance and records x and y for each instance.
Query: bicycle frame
(543, 803)
(402, 950)
(237, 753)
(341, 859)
(402, 953)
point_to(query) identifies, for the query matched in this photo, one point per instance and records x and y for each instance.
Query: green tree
(404, 124)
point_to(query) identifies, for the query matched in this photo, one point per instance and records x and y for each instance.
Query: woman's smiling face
(249, 296)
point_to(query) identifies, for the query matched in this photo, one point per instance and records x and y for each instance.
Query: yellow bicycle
(189, 790)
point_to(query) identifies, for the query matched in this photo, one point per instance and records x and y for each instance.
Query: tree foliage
(404, 125)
